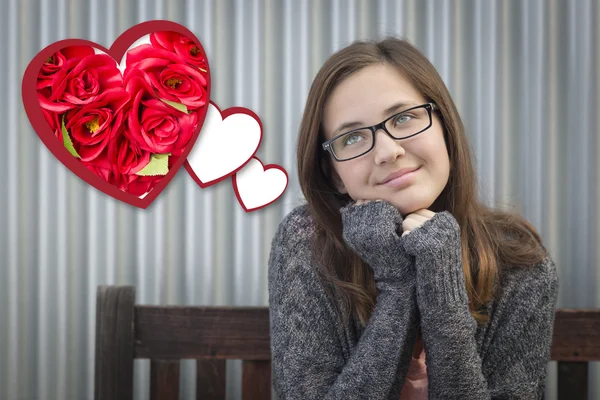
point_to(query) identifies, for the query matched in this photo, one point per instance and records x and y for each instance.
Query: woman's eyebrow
(397, 107)
(346, 125)
(355, 124)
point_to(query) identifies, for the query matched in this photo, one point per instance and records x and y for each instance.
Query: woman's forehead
(367, 97)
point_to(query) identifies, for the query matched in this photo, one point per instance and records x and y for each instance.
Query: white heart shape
(256, 186)
(224, 145)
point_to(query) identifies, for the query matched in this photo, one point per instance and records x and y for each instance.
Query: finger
(410, 224)
(425, 212)
(405, 233)
(419, 218)
(416, 219)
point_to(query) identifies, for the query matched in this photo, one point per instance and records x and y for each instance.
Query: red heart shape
(108, 149)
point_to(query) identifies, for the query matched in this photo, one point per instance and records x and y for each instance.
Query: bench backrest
(211, 335)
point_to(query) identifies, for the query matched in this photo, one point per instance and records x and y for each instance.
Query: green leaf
(158, 165)
(67, 139)
(177, 106)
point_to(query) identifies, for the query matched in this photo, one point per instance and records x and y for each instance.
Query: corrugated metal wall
(524, 75)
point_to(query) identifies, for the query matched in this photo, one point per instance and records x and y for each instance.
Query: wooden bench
(166, 334)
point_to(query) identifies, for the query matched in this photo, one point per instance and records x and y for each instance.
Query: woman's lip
(402, 181)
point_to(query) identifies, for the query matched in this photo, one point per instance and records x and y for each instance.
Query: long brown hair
(489, 237)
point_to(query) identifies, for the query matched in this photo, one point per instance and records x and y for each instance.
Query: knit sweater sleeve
(517, 344)
(308, 358)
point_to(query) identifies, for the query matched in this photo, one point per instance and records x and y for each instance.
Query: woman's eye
(402, 119)
(351, 139)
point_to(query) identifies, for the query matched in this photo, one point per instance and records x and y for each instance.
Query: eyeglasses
(402, 125)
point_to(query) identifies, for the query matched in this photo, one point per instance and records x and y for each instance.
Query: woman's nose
(386, 148)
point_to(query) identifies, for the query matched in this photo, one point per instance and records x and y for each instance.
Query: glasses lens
(352, 144)
(408, 122)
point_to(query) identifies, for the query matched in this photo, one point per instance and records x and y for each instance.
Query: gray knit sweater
(421, 283)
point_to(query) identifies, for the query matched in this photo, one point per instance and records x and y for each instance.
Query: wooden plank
(211, 379)
(256, 380)
(173, 332)
(114, 343)
(164, 379)
(572, 380)
(576, 335)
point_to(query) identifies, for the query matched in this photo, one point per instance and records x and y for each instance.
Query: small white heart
(256, 186)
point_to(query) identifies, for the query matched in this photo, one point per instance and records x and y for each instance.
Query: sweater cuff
(436, 245)
(372, 230)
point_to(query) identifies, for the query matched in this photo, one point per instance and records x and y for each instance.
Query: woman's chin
(406, 208)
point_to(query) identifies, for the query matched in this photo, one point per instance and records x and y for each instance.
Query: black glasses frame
(373, 128)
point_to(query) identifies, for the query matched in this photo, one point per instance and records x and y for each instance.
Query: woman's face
(362, 98)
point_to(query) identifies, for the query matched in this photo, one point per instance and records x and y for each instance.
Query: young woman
(395, 280)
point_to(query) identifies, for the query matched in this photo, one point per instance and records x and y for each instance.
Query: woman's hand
(371, 225)
(372, 228)
(411, 221)
(416, 219)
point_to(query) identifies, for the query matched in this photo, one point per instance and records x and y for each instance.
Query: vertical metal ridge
(553, 132)
(14, 359)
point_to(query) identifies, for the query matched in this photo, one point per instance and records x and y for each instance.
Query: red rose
(54, 120)
(144, 184)
(91, 126)
(103, 172)
(180, 45)
(118, 180)
(169, 75)
(126, 156)
(165, 129)
(58, 61)
(104, 167)
(79, 82)
(130, 183)
(152, 124)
